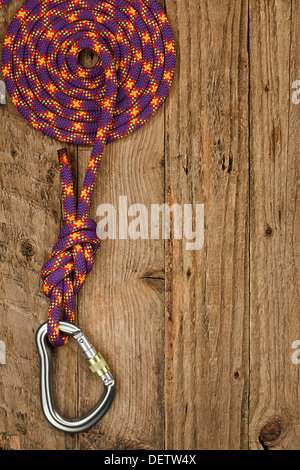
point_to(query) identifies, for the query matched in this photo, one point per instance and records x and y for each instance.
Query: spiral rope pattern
(136, 61)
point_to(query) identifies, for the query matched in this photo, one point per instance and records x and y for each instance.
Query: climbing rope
(136, 60)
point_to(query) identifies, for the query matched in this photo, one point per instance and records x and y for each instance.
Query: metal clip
(97, 365)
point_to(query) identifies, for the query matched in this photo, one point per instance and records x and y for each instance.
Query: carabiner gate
(97, 365)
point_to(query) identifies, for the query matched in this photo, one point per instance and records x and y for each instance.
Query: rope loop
(65, 101)
(71, 259)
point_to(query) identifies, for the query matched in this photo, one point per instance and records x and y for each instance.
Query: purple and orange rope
(51, 90)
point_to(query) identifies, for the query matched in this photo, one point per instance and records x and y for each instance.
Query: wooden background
(200, 343)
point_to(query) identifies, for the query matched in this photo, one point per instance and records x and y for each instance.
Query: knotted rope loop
(51, 90)
(63, 275)
(71, 259)
(73, 255)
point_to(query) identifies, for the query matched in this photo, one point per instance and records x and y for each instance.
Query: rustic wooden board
(30, 220)
(200, 342)
(207, 302)
(274, 242)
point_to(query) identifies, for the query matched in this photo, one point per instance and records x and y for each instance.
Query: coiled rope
(51, 90)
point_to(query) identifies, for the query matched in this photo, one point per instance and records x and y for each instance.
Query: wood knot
(27, 248)
(270, 432)
(269, 231)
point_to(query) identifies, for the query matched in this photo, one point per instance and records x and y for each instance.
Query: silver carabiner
(97, 365)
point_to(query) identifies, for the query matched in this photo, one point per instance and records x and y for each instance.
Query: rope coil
(51, 90)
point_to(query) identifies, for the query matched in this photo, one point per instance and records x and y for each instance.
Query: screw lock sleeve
(98, 365)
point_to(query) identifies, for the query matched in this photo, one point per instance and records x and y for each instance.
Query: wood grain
(275, 323)
(200, 342)
(207, 304)
(30, 220)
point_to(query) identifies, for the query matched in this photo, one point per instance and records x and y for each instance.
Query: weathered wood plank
(30, 218)
(207, 300)
(275, 323)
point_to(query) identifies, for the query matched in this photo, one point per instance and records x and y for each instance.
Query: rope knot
(72, 257)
